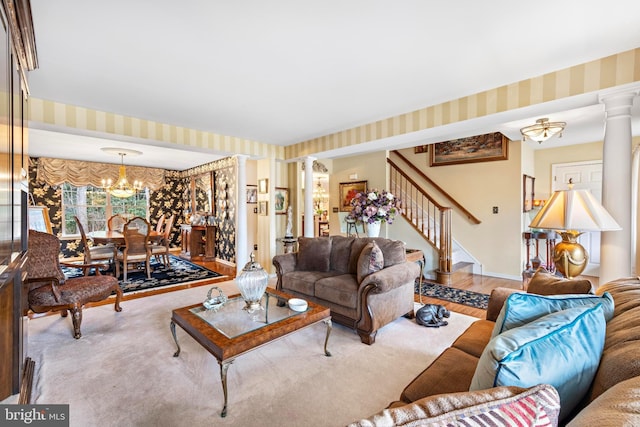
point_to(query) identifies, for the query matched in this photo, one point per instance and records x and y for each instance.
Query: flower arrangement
(374, 206)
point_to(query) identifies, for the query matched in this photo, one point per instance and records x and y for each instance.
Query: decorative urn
(252, 283)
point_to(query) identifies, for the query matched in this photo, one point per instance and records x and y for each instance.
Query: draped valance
(80, 173)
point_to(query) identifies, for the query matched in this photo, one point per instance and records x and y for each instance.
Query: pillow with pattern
(369, 261)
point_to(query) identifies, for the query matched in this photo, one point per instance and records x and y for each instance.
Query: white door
(584, 175)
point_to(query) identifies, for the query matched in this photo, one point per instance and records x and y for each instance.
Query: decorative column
(308, 197)
(616, 246)
(242, 256)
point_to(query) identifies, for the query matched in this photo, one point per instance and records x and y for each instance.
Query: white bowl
(297, 304)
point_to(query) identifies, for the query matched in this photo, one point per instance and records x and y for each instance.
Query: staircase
(431, 220)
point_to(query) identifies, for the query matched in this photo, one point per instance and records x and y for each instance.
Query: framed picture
(480, 148)
(348, 190)
(39, 219)
(528, 192)
(281, 201)
(263, 186)
(263, 208)
(421, 149)
(252, 194)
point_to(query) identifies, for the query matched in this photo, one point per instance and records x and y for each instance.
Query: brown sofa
(366, 282)
(441, 391)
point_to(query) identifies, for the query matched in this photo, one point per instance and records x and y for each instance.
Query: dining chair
(100, 253)
(136, 248)
(50, 290)
(116, 222)
(161, 248)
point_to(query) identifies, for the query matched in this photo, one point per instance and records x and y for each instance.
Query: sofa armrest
(285, 263)
(391, 277)
(496, 301)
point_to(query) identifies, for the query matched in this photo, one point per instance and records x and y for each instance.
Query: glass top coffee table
(232, 331)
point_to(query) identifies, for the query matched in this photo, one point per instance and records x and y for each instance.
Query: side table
(416, 255)
(289, 244)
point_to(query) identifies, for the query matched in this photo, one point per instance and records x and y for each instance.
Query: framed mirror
(202, 193)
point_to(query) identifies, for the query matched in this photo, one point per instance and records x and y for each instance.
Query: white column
(242, 256)
(308, 197)
(616, 246)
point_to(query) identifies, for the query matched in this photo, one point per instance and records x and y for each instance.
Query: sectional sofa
(511, 368)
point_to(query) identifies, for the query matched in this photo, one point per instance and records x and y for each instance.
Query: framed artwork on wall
(252, 194)
(263, 208)
(528, 192)
(348, 190)
(263, 186)
(39, 219)
(473, 149)
(281, 200)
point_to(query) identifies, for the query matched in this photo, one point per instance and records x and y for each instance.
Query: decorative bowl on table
(297, 304)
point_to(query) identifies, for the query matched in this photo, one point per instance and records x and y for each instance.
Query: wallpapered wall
(172, 198)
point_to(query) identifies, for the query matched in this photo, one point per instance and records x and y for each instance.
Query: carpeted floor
(180, 271)
(121, 372)
(459, 296)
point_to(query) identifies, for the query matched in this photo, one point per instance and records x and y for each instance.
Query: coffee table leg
(175, 338)
(326, 340)
(223, 376)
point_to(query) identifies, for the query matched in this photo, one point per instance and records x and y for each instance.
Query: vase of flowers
(374, 207)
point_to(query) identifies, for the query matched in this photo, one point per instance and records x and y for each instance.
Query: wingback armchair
(49, 290)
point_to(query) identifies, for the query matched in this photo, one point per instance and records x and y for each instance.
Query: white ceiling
(284, 71)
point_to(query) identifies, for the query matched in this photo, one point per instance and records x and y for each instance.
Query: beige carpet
(122, 373)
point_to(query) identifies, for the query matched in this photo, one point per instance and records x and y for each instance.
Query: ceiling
(285, 71)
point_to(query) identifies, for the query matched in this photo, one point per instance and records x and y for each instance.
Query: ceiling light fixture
(542, 130)
(122, 187)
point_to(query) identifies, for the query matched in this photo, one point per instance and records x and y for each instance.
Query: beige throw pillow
(545, 283)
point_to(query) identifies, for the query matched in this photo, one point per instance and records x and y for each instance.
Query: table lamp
(570, 213)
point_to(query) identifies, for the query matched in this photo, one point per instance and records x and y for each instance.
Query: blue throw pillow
(562, 349)
(522, 308)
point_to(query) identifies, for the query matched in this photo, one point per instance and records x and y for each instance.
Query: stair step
(461, 274)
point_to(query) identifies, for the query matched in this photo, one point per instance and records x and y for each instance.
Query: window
(93, 205)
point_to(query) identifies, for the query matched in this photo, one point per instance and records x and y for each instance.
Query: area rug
(459, 296)
(122, 371)
(180, 271)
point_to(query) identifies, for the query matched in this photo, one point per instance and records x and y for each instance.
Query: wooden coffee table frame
(226, 349)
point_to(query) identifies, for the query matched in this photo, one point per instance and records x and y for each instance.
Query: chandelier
(122, 187)
(542, 130)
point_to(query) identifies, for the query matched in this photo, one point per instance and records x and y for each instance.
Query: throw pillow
(500, 406)
(314, 254)
(521, 308)
(369, 261)
(545, 283)
(562, 349)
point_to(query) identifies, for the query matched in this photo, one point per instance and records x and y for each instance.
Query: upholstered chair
(99, 253)
(49, 290)
(161, 249)
(116, 223)
(137, 249)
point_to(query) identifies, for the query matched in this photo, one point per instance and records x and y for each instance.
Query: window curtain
(78, 173)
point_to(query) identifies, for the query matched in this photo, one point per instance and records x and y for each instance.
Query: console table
(533, 238)
(198, 242)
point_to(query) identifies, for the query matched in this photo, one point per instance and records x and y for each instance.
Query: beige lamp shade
(574, 210)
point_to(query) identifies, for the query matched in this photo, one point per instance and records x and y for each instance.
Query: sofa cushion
(340, 252)
(341, 289)
(618, 406)
(562, 349)
(545, 283)
(314, 253)
(304, 282)
(356, 248)
(451, 372)
(475, 338)
(369, 261)
(394, 251)
(521, 308)
(500, 406)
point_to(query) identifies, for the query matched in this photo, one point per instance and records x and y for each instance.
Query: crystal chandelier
(122, 187)
(542, 130)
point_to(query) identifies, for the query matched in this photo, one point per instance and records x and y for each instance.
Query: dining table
(102, 237)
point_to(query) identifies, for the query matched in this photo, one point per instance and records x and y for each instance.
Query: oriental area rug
(459, 296)
(180, 271)
(122, 371)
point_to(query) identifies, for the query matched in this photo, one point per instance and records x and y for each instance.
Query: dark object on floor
(459, 296)
(432, 315)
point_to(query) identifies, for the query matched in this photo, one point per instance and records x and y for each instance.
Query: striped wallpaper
(608, 72)
(615, 70)
(55, 113)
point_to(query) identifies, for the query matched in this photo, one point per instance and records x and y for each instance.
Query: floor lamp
(571, 213)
